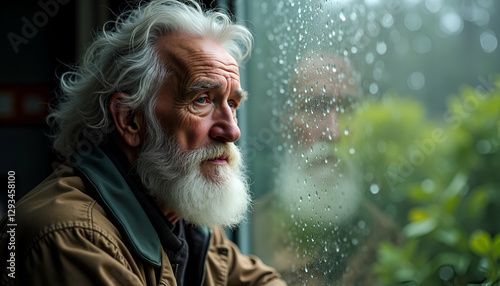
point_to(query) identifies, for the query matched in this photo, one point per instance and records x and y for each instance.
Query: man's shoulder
(59, 203)
(62, 196)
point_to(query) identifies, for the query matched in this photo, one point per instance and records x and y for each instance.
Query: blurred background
(371, 133)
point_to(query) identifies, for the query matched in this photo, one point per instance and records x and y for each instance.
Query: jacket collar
(119, 199)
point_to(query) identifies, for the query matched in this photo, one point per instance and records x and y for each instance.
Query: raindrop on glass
(416, 81)
(342, 16)
(374, 189)
(488, 41)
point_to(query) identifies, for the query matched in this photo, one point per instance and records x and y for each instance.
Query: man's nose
(326, 128)
(224, 128)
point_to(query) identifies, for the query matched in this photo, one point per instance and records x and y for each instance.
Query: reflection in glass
(351, 96)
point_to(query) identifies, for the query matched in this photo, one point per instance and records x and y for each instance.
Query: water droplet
(387, 20)
(381, 48)
(427, 185)
(413, 21)
(446, 273)
(342, 16)
(422, 44)
(373, 88)
(416, 81)
(451, 23)
(361, 224)
(352, 151)
(369, 58)
(374, 189)
(346, 131)
(488, 41)
(483, 147)
(433, 5)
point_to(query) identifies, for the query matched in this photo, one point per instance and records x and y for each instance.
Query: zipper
(176, 270)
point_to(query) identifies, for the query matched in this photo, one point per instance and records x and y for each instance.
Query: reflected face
(197, 104)
(324, 87)
(323, 187)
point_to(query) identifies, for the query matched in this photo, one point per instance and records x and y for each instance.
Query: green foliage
(439, 180)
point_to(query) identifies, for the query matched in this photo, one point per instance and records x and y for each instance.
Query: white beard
(174, 179)
(319, 190)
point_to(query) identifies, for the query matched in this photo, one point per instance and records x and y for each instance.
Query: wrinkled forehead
(324, 75)
(326, 70)
(186, 54)
(323, 81)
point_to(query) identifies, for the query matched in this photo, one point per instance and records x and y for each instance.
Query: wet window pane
(374, 136)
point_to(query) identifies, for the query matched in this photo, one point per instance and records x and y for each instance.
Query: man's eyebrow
(242, 94)
(202, 86)
(206, 85)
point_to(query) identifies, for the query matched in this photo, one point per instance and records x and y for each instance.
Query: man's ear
(127, 123)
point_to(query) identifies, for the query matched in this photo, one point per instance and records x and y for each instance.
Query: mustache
(216, 150)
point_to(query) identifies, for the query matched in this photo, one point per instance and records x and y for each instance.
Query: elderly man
(147, 125)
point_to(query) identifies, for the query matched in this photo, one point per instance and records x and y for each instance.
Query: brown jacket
(62, 236)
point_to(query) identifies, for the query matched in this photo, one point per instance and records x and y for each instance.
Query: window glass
(373, 140)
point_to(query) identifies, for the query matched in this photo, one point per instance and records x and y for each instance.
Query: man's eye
(232, 105)
(201, 100)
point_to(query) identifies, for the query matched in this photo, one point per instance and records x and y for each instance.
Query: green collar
(119, 199)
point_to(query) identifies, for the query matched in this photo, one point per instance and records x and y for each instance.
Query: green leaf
(416, 194)
(420, 228)
(448, 236)
(454, 187)
(480, 243)
(496, 247)
(459, 262)
(477, 201)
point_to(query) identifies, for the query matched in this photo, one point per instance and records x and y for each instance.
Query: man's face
(197, 104)
(188, 162)
(323, 89)
(323, 187)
